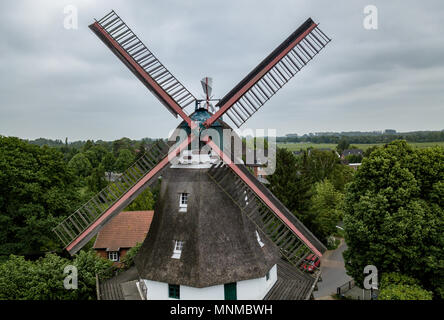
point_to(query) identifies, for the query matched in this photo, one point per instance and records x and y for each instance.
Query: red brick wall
(102, 253)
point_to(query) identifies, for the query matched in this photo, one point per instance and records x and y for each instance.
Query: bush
(396, 286)
(128, 259)
(404, 292)
(42, 279)
(332, 243)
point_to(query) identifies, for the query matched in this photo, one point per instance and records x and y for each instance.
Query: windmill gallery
(217, 232)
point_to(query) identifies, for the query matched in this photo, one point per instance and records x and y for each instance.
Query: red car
(311, 263)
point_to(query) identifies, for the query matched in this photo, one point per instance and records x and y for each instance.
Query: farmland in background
(292, 146)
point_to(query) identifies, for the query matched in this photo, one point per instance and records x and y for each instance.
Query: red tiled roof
(124, 230)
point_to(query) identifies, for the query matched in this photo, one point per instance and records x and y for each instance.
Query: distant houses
(301, 152)
(350, 157)
(348, 152)
(354, 166)
(112, 176)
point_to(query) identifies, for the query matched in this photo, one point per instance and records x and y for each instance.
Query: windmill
(225, 226)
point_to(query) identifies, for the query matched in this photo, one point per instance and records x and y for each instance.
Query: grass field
(304, 145)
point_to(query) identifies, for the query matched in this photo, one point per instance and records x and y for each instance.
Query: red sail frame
(224, 157)
(95, 227)
(289, 66)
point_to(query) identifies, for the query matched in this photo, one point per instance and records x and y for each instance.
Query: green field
(304, 145)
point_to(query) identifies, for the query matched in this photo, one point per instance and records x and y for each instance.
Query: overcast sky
(58, 83)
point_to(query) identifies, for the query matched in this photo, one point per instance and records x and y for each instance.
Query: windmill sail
(295, 241)
(78, 228)
(271, 74)
(141, 61)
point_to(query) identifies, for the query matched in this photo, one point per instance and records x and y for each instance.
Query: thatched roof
(220, 243)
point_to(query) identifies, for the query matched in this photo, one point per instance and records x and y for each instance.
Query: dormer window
(183, 202)
(178, 245)
(259, 239)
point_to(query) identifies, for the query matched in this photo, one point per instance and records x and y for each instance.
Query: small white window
(183, 202)
(178, 245)
(259, 239)
(113, 256)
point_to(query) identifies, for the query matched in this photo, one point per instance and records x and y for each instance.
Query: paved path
(333, 273)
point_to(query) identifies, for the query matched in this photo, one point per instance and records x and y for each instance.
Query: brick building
(122, 233)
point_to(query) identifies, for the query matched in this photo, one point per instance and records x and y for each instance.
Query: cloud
(57, 82)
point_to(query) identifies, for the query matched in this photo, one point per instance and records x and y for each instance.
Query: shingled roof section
(124, 231)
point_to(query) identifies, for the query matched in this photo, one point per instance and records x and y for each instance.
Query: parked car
(310, 263)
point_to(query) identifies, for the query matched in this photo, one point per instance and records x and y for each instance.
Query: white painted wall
(254, 289)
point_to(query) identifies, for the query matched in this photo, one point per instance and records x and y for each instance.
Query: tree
(369, 151)
(319, 164)
(88, 145)
(289, 183)
(326, 209)
(310, 186)
(108, 163)
(342, 145)
(123, 143)
(394, 217)
(96, 181)
(144, 201)
(124, 160)
(95, 154)
(36, 192)
(340, 175)
(80, 165)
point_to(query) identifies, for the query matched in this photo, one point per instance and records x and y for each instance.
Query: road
(333, 273)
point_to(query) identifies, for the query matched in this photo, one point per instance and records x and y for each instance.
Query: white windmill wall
(253, 289)
(256, 289)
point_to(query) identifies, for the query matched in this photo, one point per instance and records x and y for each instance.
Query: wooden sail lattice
(272, 73)
(290, 244)
(75, 224)
(124, 38)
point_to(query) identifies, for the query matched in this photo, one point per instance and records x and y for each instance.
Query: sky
(59, 82)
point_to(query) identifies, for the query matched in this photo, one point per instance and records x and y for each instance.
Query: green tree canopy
(342, 145)
(326, 209)
(36, 191)
(95, 155)
(144, 201)
(394, 218)
(319, 164)
(123, 143)
(96, 181)
(124, 160)
(310, 186)
(80, 165)
(289, 183)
